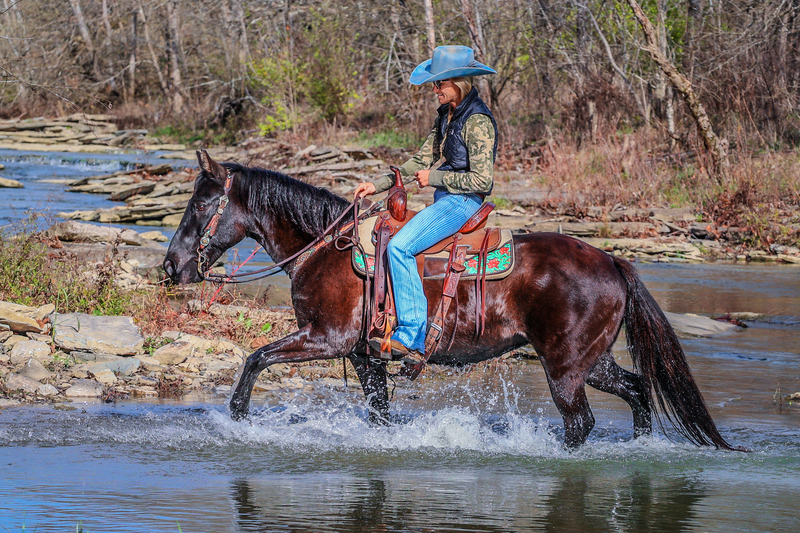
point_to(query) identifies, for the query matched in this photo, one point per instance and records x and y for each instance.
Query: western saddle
(473, 238)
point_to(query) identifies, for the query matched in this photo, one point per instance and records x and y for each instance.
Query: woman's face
(448, 93)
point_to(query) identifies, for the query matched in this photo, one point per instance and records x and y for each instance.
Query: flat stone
(25, 384)
(26, 349)
(186, 346)
(115, 335)
(119, 365)
(10, 184)
(5, 402)
(105, 376)
(217, 365)
(85, 388)
(151, 364)
(690, 325)
(13, 341)
(48, 390)
(154, 236)
(174, 353)
(71, 231)
(145, 392)
(35, 370)
(17, 322)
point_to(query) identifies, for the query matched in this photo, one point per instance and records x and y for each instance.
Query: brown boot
(398, 349)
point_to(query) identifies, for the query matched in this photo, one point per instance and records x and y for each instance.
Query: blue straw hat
(449, 62)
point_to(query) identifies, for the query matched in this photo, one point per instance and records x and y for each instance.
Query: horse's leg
(608, 376)
(569, 395)
(304, 344)
(373, 380)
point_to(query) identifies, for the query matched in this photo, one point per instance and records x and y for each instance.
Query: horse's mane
(309, 208)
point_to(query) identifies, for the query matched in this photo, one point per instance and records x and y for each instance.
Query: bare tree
(716, 147)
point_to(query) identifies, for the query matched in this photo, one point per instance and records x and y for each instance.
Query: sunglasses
(438, 84)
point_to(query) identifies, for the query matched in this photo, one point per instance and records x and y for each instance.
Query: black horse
(567, 299)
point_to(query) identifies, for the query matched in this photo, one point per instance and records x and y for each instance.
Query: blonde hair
(463, 84)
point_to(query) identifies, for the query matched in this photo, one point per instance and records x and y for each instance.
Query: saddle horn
(397, 199)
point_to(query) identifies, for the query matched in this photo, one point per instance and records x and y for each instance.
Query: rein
(211, 229)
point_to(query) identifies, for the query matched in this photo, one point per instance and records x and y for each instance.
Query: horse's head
(212, 223)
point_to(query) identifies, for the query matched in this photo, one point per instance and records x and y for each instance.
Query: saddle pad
(499, 262)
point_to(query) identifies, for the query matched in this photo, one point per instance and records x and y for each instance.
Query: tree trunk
(472, 18)
(134, 44)
(237, 11)
(162, 82)
(173, 49)
(87, 36)
(106, 23)
(718, 148)
(430, 28)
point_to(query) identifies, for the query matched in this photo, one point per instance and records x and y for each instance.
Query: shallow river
(478, 452)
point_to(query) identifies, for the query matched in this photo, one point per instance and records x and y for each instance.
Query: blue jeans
(439, 220)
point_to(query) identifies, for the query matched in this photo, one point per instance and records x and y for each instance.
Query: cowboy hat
(449, 62)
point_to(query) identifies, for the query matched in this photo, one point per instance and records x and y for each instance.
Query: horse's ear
(211, 166)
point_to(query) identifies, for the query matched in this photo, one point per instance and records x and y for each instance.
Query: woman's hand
(364, 189)
(422, 178)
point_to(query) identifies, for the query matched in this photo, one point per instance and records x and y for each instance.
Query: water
(476, 452)
(45, 176)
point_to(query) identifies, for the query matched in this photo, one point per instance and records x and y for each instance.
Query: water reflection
(462, 502)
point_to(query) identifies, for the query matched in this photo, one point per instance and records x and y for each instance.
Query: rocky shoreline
(42, 359)
(55, 358)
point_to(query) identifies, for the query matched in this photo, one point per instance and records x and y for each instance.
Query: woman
(457, 160)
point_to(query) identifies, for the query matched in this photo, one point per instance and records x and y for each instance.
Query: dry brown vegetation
(582, 108)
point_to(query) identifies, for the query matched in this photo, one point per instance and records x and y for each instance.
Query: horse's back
(563, 281)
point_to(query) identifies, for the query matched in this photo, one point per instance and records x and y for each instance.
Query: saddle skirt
(433, 261)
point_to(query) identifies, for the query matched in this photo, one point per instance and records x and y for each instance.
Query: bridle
(211, 229)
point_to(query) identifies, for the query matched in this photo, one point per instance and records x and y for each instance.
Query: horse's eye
(200, 206)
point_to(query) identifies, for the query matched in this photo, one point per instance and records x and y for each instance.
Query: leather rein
(211, 229)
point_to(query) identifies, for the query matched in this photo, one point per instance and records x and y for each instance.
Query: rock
(154, 236)
(85, 388)
(35, 370)
(10, 184)
(187, 345)
(25, 384)
(104, 376)
(151, 364)
(116, 335)
(26, 349)
(174, 353)
(13, 341)
(5, 402)
(217, 365)
(145, 392)
(48, 390)
(126, 366)
(17, 322)
(293, 383)
(789, 258)
(690, 325)
(72, 231)
(280, 369)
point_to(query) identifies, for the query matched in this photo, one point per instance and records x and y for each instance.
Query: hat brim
(422, 74)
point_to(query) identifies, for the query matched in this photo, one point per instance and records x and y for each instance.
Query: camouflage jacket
(478, 134)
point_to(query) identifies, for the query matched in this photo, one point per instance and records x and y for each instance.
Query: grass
(32, 275)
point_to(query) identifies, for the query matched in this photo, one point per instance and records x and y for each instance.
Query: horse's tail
(658, 356)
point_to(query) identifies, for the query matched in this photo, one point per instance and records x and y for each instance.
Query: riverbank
(125, 270)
